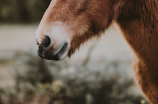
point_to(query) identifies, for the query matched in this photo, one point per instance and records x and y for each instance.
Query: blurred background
(99, 73)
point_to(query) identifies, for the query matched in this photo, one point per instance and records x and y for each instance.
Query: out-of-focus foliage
(43, 82)
(22, 10)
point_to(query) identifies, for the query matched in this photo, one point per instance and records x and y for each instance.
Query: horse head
(67, 24)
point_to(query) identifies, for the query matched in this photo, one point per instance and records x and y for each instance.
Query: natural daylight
(100, 70)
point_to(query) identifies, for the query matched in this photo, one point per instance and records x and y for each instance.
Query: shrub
(43, 82)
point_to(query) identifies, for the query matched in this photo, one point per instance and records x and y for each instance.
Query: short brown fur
(137, 19)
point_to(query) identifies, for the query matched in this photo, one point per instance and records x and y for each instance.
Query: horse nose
(46, 42)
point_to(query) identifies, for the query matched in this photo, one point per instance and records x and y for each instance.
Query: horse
(67, 24)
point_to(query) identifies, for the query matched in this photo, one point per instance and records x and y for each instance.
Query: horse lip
(37, 42)
(58, 56)
(39, 54)
(40, 51)
(62, 50)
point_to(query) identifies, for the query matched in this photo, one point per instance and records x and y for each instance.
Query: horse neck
(138, 22)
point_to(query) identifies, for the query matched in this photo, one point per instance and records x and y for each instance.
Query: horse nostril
(46, 42)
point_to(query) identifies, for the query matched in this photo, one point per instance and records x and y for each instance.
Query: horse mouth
(59, 55)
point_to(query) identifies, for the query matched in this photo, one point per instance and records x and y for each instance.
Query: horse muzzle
(46, 50)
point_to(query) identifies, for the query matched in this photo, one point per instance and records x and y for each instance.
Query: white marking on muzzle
(59, 35)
